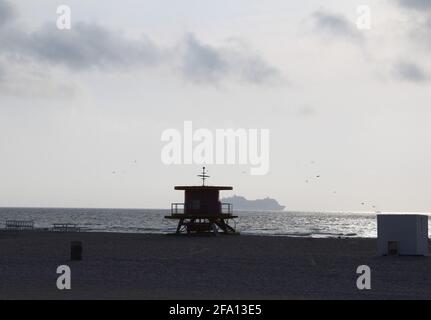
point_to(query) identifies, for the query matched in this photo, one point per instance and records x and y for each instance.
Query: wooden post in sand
(76, 251)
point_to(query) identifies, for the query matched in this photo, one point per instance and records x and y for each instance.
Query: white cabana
(402, 234)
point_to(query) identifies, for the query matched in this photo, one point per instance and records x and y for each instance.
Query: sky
(82, 111)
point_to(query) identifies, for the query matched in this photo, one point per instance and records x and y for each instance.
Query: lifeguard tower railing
(179, 208)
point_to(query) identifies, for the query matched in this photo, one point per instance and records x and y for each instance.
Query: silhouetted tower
(202, 210)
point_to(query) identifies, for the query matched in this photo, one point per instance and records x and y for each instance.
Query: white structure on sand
(402, 234)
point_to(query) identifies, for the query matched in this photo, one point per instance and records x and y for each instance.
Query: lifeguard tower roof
(201, 188)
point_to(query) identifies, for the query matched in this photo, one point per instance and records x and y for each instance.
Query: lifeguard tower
(202, 210)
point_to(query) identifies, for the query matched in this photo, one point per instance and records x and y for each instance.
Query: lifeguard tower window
(393, 248)
(196, 204)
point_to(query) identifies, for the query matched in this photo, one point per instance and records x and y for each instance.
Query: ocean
(294, 224)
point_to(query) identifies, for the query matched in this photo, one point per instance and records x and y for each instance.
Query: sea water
(285, 223)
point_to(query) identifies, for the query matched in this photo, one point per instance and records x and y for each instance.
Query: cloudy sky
(82, 110)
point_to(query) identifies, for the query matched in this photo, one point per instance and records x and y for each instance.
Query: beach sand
(142, 266)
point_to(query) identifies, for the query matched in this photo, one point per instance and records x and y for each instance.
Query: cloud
(7, 13)
(204, 63)
(254, 69)
(416, 4)
(410, 72)
(419, 26)
(90, 46)
(84, 46)
(422, 11)
(23, 80)
(335, 25)
(418, 34)
(2, 72)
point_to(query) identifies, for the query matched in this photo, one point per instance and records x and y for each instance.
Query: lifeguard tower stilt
(202, 210)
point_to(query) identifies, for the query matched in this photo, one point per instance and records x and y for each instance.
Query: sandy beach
(142, 266)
